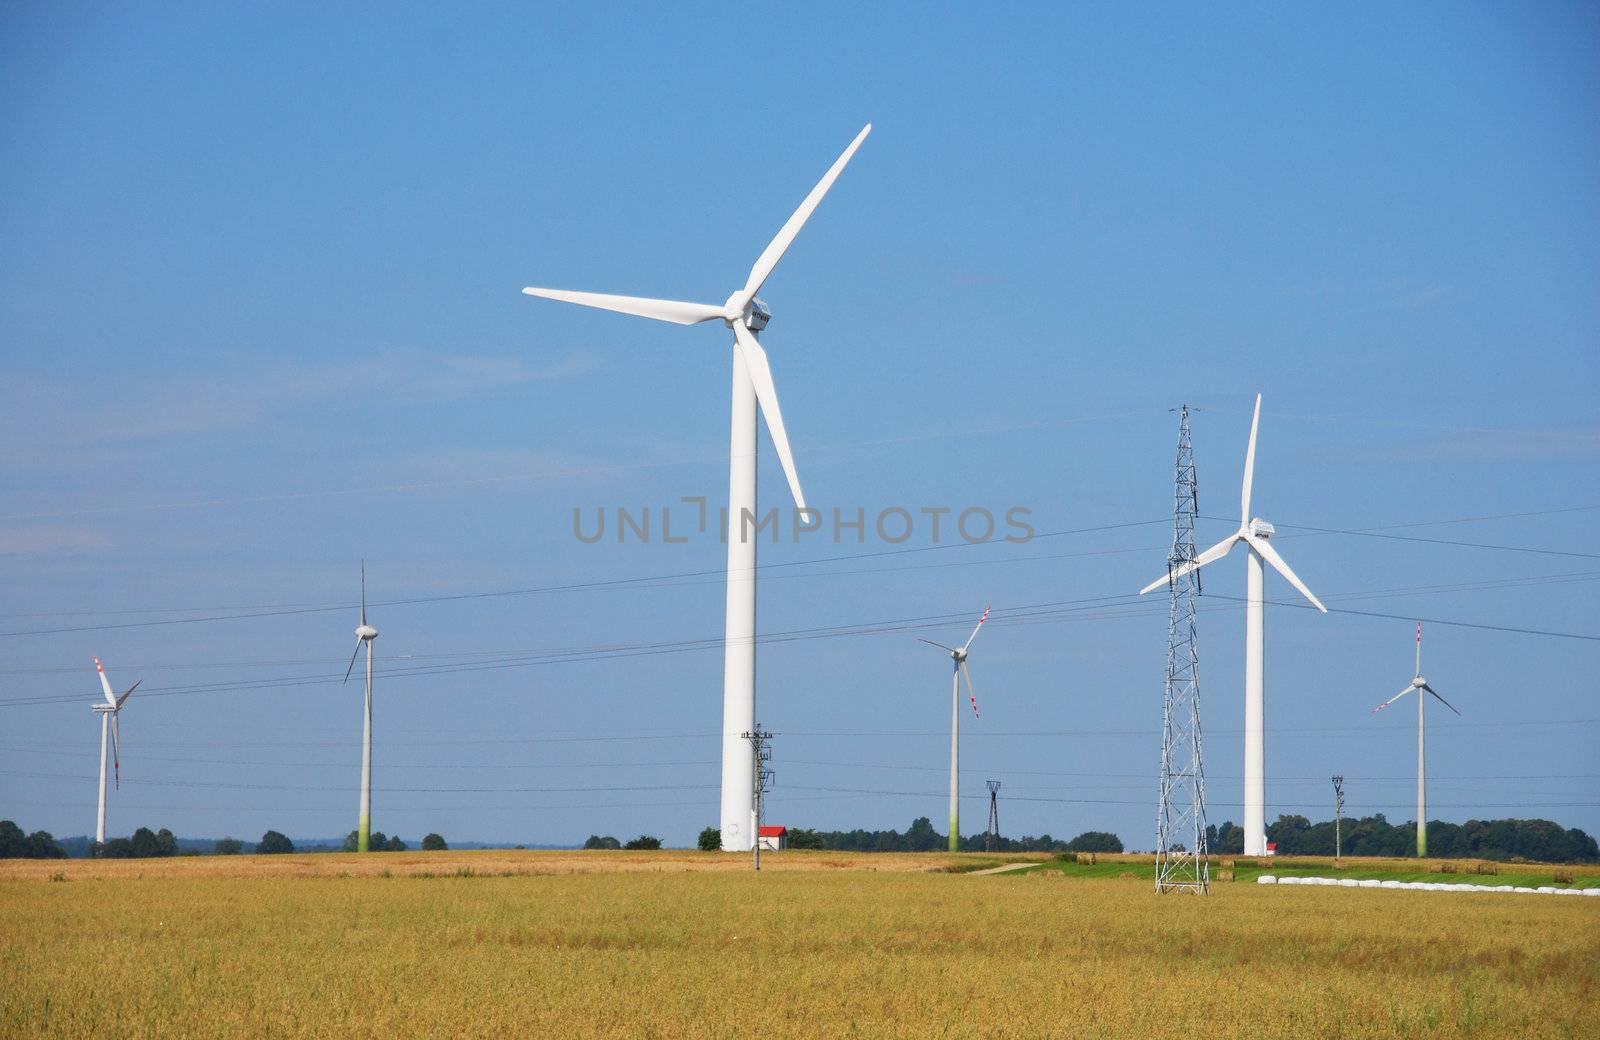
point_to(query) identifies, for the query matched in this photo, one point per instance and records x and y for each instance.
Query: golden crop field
(819, 945)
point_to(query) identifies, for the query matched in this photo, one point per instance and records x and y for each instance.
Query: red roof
(773, 832)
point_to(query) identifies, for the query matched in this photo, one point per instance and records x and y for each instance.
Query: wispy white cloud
(38, 541)
(1499, 445)
(52, 415)
(154, 407)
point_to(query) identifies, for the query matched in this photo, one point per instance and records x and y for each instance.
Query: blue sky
(261, 317)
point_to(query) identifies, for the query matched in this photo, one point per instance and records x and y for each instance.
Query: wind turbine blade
(363, 592)
(941, 646)
(1270, 554)
(755, 363)
(1419, 649)
(675, 311)
(972, 695)
(353, 657)
(1435, 692)
(128, 692)
(786, 235)
(116, 749)
(1211, 555)
(105, 684)
(965, 646)
(1391, 700)
(1249, 466)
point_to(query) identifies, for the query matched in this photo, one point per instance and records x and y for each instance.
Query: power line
(1432, 621)
(608, 764)
(246, 613)
(721, 573)
(238, 786)
(235, 786)
(1116, 801)
(1056, 612)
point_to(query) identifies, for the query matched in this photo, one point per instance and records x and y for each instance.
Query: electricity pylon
(1338, 817)
(1181, 863)
(991, 838)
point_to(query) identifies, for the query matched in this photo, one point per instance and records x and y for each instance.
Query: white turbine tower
(746, 316)
(958, 659)
(1254, 534)
(365, 634)
(108, 711)
(1420, 685)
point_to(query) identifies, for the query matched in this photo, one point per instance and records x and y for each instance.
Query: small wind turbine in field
(958, 671)
(1419, 685)
(1254, 534)
(109, 712)
(365, 634)
(745, 316)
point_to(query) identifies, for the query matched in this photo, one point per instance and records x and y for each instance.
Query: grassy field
(1247, 869)
(821, 944)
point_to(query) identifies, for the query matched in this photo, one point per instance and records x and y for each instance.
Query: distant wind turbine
(1254, 534)
(109, 711)
(958, 671)
(1420, 685)
(365, 634)
(745, 316)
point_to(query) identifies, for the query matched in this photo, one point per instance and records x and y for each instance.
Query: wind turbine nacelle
(1419, 682)
(757, 317)
(1261, 529)
(366, 632)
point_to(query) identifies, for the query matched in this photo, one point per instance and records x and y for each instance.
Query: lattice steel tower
(991, 837)
(1181, 863)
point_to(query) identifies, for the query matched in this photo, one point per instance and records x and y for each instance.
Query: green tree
(166, 843)
(433, 843)
(597, 842)
(1227, 839)
(643, 841)
(711, 839)
(42, 845)
(273, 843)
(801, 838)
(921, 837)
(1095, 841)
(38, 845)
(13, 843)
(394, 844)
(376, 841)
(118, 848)
(145, 845)
(352, 842)
(228, 847)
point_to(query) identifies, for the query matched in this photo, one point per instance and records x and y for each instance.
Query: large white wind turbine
(108, 711)
(1420, 685)
(1253, 532)
(365, 634)
(958, 660)
(746, 316)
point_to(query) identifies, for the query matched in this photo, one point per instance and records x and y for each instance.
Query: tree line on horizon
(922, 837)
(147, 844)
(1505, 840)
(1500, 840)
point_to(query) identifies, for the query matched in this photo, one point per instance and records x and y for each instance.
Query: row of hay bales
(1425, 886)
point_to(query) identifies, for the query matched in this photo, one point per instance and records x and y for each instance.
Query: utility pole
(1181, 863)
(991, 838)
(1338, 816)
(761, 754)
